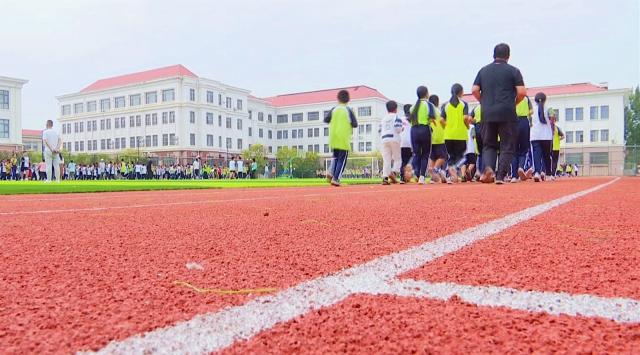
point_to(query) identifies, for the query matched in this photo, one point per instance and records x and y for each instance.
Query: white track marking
(214, 331)
(182, 203)
(621, 310)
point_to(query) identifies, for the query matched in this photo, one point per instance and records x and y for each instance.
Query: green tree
(256, 152)
(285, 158)
(306, 166)
(632, 119)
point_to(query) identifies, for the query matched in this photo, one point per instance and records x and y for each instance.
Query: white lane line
(182, 203)
(621, 310)
(214, 331)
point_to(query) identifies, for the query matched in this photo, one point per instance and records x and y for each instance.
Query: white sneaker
(536, 177)
(421, 180)
(514, 180)
(449, 180)
(47, 181)
(543, 176)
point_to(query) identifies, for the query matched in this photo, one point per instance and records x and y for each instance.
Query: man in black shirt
(498, 87)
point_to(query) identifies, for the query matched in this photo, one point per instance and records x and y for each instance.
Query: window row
(150, 119)
(594, 136)
(168, 139)
(150, 97)
(4, 99)
(595, 113)
(595, 158)
(299, 133)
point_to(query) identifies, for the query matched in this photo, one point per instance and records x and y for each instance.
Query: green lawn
(38, 187)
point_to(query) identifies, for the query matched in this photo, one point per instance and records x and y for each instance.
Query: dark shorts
(470, 158)
(438, 151)
(456, 150)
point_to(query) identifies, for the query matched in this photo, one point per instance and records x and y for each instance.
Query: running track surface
(81, 271)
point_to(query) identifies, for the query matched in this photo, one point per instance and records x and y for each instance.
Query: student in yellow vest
(523, 145)
(342, 121)
(456, 115)
(569, 170)
(422, 114)
(558, 135)
(476, 119)
(438, 155)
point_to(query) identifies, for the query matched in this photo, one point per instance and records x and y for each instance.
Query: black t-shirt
(497, 82)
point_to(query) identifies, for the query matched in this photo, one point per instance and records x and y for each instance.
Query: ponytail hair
(456, 90)
(540, 99)
(422, 92)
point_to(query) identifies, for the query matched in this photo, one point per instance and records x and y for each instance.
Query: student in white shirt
(240, 168)
(405, 141)
(196, 168)
(470, 156)
(52, 143)
(541, 139)
(390, 129)
(232, 168)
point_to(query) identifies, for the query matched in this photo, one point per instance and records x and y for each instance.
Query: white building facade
(171, 113)
(11, 113)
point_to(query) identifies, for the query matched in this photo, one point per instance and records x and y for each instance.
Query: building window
(192, 94)
(313, 116)
(239, 143)
(260, 133)
(102, 125)
(117, 122)
(4, 99)
(239, 104)
(172, 117)
(326, 131)
(210, 97)
(568, 114)
(78, 108)
(229, 143)
(154, 119)
(279, 134)
(250, 131)
(282, 118)
(66, 110)
(81, 127)
(294, 134)
(123, 142)
(579, 137)
(103, 144)
(219, 121)
(593, 112)
(138, 121)
(285, 134)
(579, 113)
(228, 102)
(147, 119)
(604, 112)
(192, 139)
(119, 102)
(132, 121)
(270, 134)
(250, 114)
(165, 117)
(219, 141)
(151, 97)
(310, 148)
(209, 116)
(599, 158)
(64, 129)
(154, 139)
(117, 143)
(296, 117)
(192, 117)
(593, 136)
(269, 118)
(209, 140)
(364, 111)
(108, 122)
(219, 99)
(168, 95)
(604, 135)
(300, 133)
(239, 124)
(574, 158)
(260, 116)
(228, 122)
(135, 100)
(361, 146)
(360, 129)
(91, 106)
(569, 136)
(270, 149)
(368, 128)
(4, 128)
(310, 132)
(165, 140)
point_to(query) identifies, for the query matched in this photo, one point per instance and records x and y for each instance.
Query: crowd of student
(518, 140)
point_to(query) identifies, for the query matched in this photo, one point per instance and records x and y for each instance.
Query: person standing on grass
(541, 139)
(389, 130)
(342, 121)
(240, 168)
(422, 114)
(254, 168)
(196, 168)
(232, 168)
(456, 131)
(52, 143)
(498, 87)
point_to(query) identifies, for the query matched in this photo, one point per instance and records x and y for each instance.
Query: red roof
(554, 90)
(140, 77)
(314, 97)
(31, 132)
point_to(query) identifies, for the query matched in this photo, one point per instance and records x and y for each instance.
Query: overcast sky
(281, 46)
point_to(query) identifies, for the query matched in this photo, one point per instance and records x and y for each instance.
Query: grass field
(38, 187)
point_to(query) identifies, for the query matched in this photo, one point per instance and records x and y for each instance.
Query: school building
(11, 113)
(172, 113)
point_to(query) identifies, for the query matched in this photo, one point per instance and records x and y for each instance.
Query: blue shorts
(438, 151)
